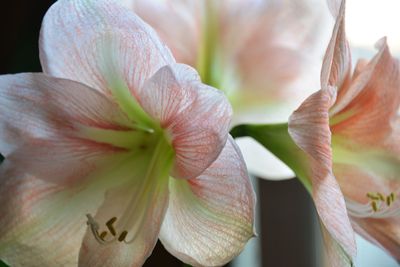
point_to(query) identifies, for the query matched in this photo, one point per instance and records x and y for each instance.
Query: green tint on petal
(276, 138)
(375, 161)
(207, 60)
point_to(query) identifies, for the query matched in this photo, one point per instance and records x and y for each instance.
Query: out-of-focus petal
(368, 108)
(178, 23)
(197, 117)
(43, 122)
(101, 44)
(334, 6)
(309, 128)
(336, 66)
(211, 217)
(385, 233)
(138, 206)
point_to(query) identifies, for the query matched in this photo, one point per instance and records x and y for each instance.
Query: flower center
(102, 237)
(379, 201)
(378, 206)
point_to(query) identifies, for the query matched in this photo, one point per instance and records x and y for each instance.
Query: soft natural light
(369, 20)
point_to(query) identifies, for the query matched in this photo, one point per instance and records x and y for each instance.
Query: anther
(374, 206)
(110, 227)
(122, 236)
(103, 235)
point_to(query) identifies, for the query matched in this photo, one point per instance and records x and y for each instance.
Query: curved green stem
(276, 138)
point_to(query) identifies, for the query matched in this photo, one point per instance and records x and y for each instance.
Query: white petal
(211, 217)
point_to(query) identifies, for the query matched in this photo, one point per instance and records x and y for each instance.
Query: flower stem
(276, 138)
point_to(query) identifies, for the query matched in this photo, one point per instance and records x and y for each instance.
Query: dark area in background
(288, 217)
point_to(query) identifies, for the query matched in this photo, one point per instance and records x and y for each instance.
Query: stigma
(108, 236)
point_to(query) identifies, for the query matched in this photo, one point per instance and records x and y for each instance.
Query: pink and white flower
(265, 55)
(350, 132)
(114, 146)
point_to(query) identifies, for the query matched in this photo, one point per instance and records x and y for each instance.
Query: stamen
(374, 206)
(101, 238)
(103, 235)
(110, 227)
(122, 236)
(379, 198)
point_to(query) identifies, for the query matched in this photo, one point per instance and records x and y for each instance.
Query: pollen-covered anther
(101, 238)
(379, 200)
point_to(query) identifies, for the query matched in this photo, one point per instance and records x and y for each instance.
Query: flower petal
(42, 224)
(138, 207)
(369, 106)
(384, 233)
(44, 127)
(211, 217)
(309, 128)
(336, 66)
(178, 24)
(101, 44)
(196, 117)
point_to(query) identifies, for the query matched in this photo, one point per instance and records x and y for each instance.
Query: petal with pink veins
(309, 128)
(336, 66)
(124, 230)
(45, 123)
(369, 106)
(211, 217)
(196, 117)
(103, 45)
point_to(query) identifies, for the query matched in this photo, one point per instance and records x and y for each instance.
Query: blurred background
(287, 225)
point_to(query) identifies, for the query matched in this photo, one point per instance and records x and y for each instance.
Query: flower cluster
(122, 141)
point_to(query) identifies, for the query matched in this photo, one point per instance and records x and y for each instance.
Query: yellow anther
(372, 196)
(378, 198)
(388, 200)
(374, 206)
(381, 197)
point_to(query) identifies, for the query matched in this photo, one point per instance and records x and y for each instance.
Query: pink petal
(336, 66)
(309, 128)
(196, 117)
(355, 184)
(100, 44)
(211, 217)
(41, 224)
(371, 102)
(384, 233)
(43, 122)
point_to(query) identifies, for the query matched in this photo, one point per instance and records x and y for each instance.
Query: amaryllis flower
(262, 54)
(114, 146)
(350, 130)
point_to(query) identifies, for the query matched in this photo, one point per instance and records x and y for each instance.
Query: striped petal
(211, 217)
(368, 109)
(48, 131)
(196, 117)
(124, 230)
(336, 66)
(309, 128)
(101, 44)
(42, 224)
